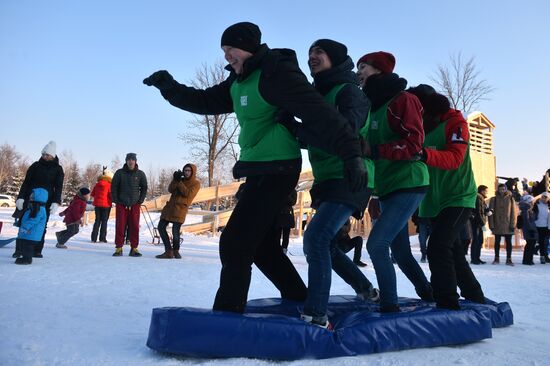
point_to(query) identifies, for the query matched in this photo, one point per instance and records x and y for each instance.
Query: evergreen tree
(72, 183)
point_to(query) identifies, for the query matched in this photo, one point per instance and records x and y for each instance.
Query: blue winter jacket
(32, 228)
(529, 228)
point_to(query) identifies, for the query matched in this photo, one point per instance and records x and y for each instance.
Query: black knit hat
(131, 156)
(84, 191)
(245, 36)
(432, 102)
(336, 51)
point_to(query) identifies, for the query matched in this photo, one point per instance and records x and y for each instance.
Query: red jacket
(75, 211)
(457, 137)
(102, 193)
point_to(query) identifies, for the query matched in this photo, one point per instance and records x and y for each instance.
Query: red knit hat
(383, 61)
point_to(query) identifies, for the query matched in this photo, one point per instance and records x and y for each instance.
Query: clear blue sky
(72, 71)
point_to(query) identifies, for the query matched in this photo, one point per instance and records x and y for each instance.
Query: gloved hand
(161, 80)
(356, 174)
(178, 175)
(287, 119)
(53, 208)
(19, 203)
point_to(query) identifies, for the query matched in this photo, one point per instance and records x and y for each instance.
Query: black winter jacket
(282, 84)
(44, 174)
(352, 103)
(129, 187)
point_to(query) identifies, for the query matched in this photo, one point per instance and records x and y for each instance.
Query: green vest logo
(244, 100)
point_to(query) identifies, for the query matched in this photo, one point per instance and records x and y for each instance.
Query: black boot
(23, 260)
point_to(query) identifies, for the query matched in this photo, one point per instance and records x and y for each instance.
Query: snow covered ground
(82, 306)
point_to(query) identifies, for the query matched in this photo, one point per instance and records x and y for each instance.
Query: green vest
(261, 137)
(326, 166)
(448, 188)
(392, 175)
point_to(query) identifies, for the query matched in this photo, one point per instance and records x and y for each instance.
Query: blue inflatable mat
(271, 329)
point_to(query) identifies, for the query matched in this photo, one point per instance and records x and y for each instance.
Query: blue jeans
(391, 231)
(322, 254)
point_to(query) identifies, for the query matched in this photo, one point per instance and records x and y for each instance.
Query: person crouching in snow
(32, 225)
(72, 217)
(183, 188)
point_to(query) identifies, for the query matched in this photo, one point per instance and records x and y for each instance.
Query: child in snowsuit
(32, 226)
(72, 217)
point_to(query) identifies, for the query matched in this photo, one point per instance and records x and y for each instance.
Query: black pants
(69, 232)
(100, 224)
(284, 234)
(508, 240)
(528, 251)
(543, 242)
(251, 236)
(25, 248)
(447, 261)
(347, 243)
(176, 226)
(477, 242)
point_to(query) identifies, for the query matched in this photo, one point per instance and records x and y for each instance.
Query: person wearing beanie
(72, 217)
(450, 200)
(479, 220)
(45, 173)
(529, 228)
(332, 198)
(263, 81)
(103, 201)
(394, 141)
(128, 191)
(183, 188)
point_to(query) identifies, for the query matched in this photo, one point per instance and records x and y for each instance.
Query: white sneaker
(372, 295)
(62, 246)
(309, 319)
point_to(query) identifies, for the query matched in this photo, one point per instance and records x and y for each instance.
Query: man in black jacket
(128, 189)
(48, 174)
(263, 81)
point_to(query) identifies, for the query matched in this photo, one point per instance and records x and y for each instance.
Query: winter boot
(134, 253)
(423, 258)
(23, 260)
(371, 295)
(358, 263)
(177, 254)
(118, 252)
(426, 294)
(16, 254)
(496, 261)
(168, 254)
(542, 259)
(509, 262)
(61, 246)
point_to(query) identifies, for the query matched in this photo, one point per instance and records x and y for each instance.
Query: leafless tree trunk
(211, 136)
(460, 82)
(9, 157)
(90, 175)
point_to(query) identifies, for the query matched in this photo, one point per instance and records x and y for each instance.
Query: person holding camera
(183, 189)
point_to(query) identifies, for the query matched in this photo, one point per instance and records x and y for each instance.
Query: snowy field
(81, 306)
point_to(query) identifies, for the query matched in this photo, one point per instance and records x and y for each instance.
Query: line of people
(363, 133)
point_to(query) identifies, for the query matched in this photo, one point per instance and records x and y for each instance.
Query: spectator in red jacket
(72, 217)
(102, 205)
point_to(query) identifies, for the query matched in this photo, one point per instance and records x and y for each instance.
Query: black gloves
(356, 174)
(161, 80)
(178, 175)
(287, 119)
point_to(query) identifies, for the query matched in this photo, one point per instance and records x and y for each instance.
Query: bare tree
(460, 81)
(211, 136)
(9, 158)
(90, 174)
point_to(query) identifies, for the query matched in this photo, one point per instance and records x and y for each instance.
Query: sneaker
(309, 319)
(372, 295)
(23, 260)
(358, 263)
(134, 253)
(509, 262)
(61, 246)
(177, 254)
(118, 252)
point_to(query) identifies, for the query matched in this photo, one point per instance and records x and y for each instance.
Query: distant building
(481, 150)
